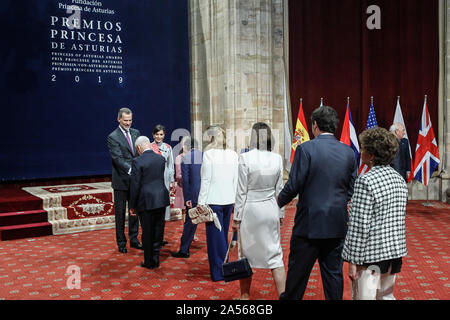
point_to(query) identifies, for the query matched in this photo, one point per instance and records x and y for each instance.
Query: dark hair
(326, 118)
(190, 143)
(261, 137)
(381, 143)
(158, 128)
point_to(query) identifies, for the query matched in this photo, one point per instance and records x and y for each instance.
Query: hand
(132, 212)
(408, 174)
(189, 204)
(200, 209)
(353, 272)
(236, 226)
(281, 222)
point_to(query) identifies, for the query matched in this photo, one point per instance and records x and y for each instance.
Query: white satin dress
(260, 181)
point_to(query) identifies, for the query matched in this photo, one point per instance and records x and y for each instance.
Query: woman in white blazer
(219, 175)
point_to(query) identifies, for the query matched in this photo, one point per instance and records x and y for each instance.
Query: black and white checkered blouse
(377, 218)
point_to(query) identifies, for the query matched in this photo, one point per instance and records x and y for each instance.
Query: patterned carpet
(40, 268)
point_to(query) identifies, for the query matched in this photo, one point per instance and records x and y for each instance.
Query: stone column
(237, 67)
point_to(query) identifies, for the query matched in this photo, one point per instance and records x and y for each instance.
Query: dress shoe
(137, 246)
(143, 265)
(123, 250)
(163, 243)
(179, 254)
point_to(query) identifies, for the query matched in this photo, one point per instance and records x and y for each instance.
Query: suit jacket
(191, 165)
(147, 188)
(377, 218)
(402, 160)
(219, 175)
(322, 175)
(121, 156)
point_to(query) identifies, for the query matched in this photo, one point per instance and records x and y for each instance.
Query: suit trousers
(373, 286)
(152, 222)
(120, 203)
(188, 234)
(302, 257)
(217, 241)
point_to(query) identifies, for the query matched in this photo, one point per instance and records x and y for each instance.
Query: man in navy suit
(322, 175)
(149, 198)
(191, 179)
(122, 151)
(402, 160)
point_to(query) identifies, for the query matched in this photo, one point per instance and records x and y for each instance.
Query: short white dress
(260, 181)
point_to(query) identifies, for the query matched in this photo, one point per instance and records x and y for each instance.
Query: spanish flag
(301, 133)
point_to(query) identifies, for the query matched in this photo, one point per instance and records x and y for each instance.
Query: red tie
(129, 141)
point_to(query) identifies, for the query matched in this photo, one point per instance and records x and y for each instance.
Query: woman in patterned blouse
(375, 241)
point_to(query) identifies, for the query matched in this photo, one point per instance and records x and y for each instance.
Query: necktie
(129, 141)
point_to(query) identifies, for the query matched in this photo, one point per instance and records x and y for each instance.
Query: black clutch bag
(238, 269)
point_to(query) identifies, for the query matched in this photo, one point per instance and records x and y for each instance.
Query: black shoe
(137, 246)
(123, 250)
(179, 254)
(163, 243)
(143, 265)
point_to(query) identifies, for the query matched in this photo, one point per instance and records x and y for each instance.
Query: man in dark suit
(402, 160)
(122, 151)
(149, 198)
(191, 164)
(322, 175)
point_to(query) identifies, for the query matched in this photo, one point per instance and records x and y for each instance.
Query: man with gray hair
(122, 151)
(402, 160)
(149, 198)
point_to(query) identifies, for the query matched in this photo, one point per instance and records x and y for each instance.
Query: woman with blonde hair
(218, 190)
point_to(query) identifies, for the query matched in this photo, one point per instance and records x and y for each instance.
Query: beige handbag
(204, 213)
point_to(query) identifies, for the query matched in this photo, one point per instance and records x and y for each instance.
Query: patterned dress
(166, 151)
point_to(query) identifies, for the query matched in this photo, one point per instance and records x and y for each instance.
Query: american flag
(371, 123)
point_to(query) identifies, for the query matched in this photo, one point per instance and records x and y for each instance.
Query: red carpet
(36, 268)
(21, 215)
(15, 199)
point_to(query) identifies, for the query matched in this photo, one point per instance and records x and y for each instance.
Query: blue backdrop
(57, 122)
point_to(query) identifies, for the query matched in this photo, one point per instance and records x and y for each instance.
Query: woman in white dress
(256, 212)
(165, 150)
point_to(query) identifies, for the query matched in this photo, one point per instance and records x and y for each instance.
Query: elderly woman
(256, 214)
(375, 241)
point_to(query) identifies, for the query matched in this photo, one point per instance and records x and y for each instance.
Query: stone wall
(237, 67)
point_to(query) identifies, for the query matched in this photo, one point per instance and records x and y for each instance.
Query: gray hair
(396, 126)
(122, 111)
(142, 141)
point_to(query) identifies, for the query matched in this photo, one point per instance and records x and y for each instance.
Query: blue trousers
(188, 234)
(217, 241)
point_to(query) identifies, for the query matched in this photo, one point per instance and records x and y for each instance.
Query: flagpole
(428, 196)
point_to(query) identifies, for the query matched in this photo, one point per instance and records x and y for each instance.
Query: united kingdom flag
(427, 151)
